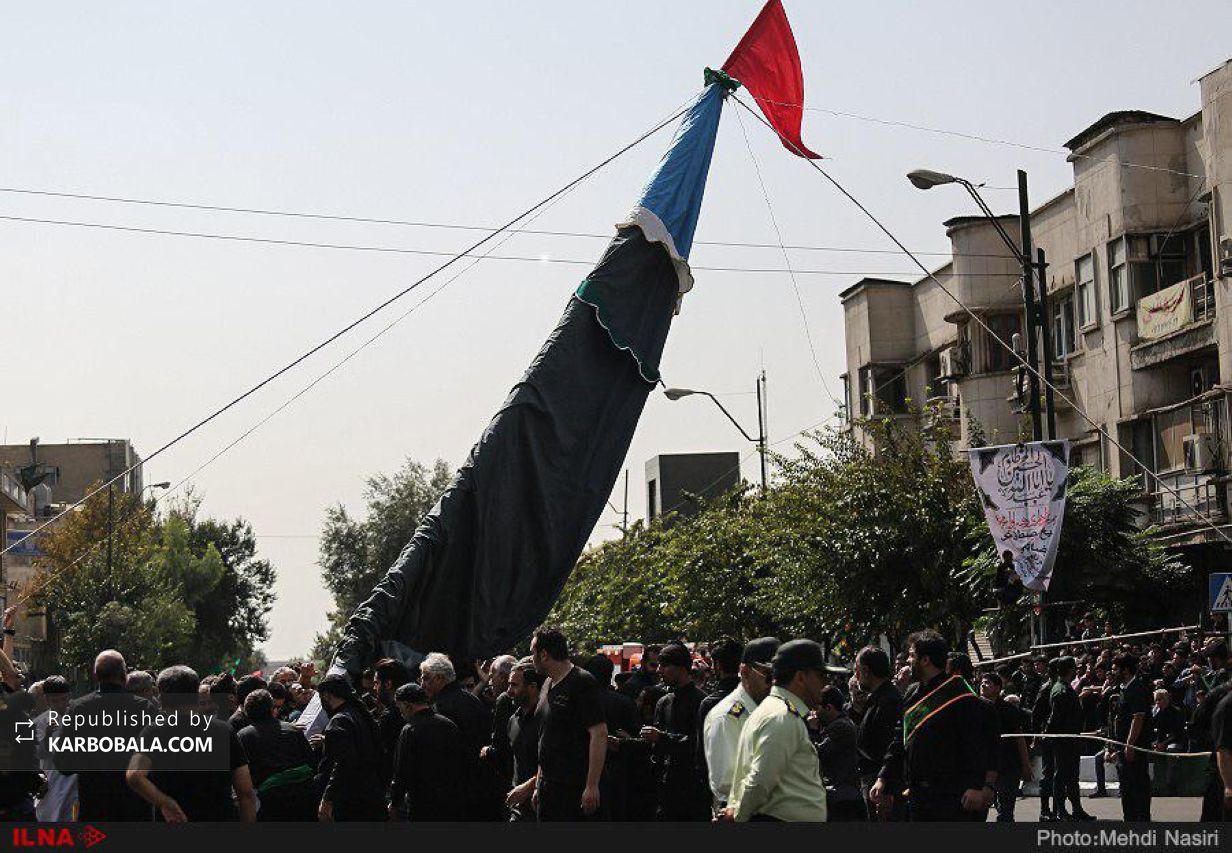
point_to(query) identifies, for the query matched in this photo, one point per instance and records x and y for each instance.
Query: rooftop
(1116, 120)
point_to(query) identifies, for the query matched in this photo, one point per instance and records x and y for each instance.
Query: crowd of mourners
(721, 731)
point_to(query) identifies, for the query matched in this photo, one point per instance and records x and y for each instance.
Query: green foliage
(848, 544)
(355, 554)
(176, 590)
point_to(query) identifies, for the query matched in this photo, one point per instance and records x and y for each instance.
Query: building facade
(1139, 253)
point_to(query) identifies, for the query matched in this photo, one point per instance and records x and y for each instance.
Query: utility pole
(1028, 298)
(1050, 409)
(624, 528)
(761, 425)
(110, 525)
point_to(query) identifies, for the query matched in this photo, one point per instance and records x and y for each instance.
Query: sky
(468, 113)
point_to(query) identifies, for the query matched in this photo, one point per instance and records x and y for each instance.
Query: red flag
(767, 63)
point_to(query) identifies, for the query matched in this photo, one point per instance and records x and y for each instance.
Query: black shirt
(430, 768)
(104, 795)
(883, 715)
(1009, 722)
(946, 755)
(350, 768)
(474, 721)
(566, 712)
(523, 734)
(273, 746)
(203, 795)
(1135, 699)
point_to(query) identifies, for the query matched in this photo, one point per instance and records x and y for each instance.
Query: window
(996, 356)
(652, 498)
(847, 409)
(1155, 262)
(883, 390)
(1118, 277)
(1085, 291)
(1170, 431)
(1063, 326)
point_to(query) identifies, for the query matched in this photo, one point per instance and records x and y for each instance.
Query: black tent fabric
(489, 560)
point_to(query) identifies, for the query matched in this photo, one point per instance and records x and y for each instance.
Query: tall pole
(1028, 298)
(1050, 409)
(625, 526)
(761, 426)
(110, 524)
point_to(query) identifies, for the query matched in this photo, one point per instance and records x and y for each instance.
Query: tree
(354, 555)
(135, 604)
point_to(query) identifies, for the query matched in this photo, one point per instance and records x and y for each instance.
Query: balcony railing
(1192, 497)
(1172, 308)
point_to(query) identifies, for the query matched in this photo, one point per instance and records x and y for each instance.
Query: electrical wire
(353, 324)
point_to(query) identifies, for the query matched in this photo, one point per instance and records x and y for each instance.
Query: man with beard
(723, 723)
(938, 755)
(646, 674)
(1065, 717)
(1011, 758)
(523, 735)
(1133, 727)
(350, 768)
(388, 676)
(682, 796)
(882, 715)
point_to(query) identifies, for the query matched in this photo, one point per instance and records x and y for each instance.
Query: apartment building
(1139, 253)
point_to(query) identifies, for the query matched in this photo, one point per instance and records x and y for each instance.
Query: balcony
(14, 497)
(1175, 321)
(1193, 497)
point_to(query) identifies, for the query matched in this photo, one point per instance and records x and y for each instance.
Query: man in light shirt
(724, 722)
(777, 775)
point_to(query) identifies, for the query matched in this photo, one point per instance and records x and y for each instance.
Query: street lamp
(677, 393)
(165, 484)
(926, 179)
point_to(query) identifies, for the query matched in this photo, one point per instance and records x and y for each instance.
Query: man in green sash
(939, 758)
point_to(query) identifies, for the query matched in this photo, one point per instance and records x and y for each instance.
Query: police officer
(724, 722)
(1065, 717)
(776, 775)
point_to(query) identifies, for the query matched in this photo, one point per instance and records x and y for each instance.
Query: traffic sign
(1221, 592)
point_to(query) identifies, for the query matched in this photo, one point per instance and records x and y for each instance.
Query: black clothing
(1168, 725)
(474, 721)
(839, 762)
(430, 769)
(946, 755)
(682, 794)
(623, 721)
(566, 712)
(104, 795)
(501, 756)
(1134, 775)
(274, 747)
(523, 737)
(1009, 722)
(239, 720)
(350, 768)
(389, 726)
(638, 681)
(883, 716)
(203, 795)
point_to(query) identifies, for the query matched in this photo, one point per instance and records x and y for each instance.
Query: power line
(353, 324)
(993, 335)
(448, 226)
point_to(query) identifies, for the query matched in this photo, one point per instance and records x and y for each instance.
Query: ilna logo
(86, 837)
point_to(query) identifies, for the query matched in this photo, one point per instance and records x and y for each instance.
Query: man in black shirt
(940, 753)
(1168, 727)
(1012, 761)
(646, 675)
(572, 733)
(181, 794)
(1044, 746)
(350, 768)
(682, 793)
(1065, 718)
(104, 795)
(623, 722)
(474, 721)
(387, 676)
(1133, 727)
(523, 735)
(429, 762)
(883, 714)
(280, 762)
(835, 740)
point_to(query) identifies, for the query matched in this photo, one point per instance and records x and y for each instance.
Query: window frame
(1063, 302)
(1126, 304)
(1084, 292)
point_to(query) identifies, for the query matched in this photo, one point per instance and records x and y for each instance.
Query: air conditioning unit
(1200, 381)
(952, 365)
(1199, 452)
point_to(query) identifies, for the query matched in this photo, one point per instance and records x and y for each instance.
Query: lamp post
(925, 179)
(759, 440)
(166, 484)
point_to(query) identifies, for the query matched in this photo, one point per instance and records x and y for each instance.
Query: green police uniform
(776, 771)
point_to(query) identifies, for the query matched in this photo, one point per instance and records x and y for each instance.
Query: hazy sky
(467, 113)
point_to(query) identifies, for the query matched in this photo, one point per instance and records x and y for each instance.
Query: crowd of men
(728, 731)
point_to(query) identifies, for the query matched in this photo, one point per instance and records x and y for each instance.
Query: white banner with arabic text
(1022, 489)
